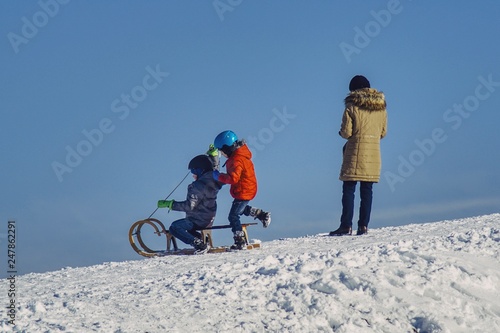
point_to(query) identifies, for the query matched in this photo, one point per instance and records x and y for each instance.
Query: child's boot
(263, 216)
(239, 241)
(200, 247)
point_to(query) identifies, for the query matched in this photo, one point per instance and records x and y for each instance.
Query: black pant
(348, 189)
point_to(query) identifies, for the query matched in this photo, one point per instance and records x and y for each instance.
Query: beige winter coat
(364, 123)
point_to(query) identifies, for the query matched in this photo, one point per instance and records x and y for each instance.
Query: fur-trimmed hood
(368, 99)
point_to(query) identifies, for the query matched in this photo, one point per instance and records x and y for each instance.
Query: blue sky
(104, 104)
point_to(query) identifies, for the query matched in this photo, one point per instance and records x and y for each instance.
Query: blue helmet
(226, 138)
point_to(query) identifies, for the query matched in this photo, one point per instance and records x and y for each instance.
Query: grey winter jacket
(201, 201)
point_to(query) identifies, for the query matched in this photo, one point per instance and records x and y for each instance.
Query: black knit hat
(359, 82)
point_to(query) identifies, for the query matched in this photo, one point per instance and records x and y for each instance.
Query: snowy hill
(434, 277)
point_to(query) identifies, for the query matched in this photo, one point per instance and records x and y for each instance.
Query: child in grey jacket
(200, 204)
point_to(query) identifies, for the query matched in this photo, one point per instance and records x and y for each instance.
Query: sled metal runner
(137, 243)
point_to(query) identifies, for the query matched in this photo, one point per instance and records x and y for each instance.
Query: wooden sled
(137, 243)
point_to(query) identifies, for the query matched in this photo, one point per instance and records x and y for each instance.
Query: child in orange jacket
(241, 176)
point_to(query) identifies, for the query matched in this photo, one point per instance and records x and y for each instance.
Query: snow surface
(433, 277)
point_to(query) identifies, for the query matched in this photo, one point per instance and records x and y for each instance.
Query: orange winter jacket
(240, 174)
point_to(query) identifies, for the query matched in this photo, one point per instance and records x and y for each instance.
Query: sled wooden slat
(135, 234)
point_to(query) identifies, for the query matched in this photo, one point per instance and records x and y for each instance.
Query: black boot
(258, 213)
(362, 229)
(341, 231)
(239, 241)
(200, 247)
(265, 218)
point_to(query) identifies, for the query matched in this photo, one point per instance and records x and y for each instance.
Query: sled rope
(175, 188)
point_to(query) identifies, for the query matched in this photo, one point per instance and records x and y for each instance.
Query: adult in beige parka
(364, 124)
